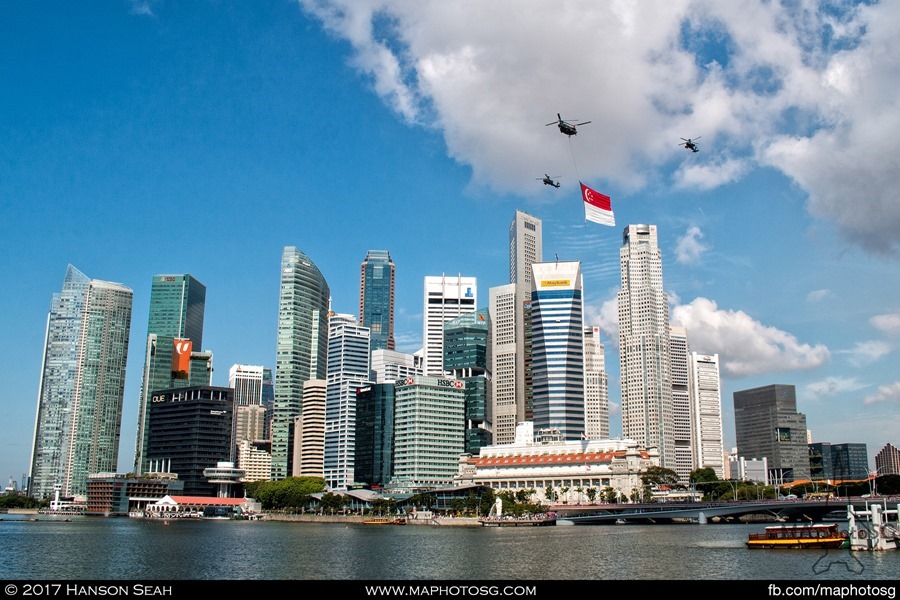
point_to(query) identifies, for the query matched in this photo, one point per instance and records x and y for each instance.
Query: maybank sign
(556, 283)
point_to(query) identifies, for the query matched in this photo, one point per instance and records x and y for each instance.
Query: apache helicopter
(548, 180)
(565, 126)
(690, 145)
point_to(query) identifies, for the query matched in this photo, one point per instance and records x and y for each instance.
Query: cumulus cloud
(745, 346)
(817, 295)
(889, 323)
(813, 93)
(885, 393)
(689, 247)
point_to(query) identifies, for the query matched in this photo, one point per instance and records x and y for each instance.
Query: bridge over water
(798, 511)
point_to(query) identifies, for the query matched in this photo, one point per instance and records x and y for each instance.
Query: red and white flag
(597, 206)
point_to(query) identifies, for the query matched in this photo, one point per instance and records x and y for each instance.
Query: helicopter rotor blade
(585, 123)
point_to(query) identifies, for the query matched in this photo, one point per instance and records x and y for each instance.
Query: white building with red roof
(563, 466)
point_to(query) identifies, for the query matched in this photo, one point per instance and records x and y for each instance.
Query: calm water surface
(136, 549)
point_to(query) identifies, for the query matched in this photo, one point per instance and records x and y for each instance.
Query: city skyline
(140, 128)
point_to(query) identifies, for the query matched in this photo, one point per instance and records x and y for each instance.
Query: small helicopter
(565, 126)
(690, 145)
(548, 180)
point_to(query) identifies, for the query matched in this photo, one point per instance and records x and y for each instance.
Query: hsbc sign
(448, 383)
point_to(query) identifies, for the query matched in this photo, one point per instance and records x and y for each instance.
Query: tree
(591, 494)
(704, 475)
(332, 502)
(657, 476)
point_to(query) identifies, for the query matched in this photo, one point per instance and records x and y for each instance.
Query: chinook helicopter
(565, 126)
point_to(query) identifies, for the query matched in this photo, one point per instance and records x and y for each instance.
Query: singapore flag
(597, 206)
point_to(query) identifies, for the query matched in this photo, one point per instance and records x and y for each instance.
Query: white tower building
(645, 371)
(706, 402)
(445, 298)
(596, 387)
(348, 370)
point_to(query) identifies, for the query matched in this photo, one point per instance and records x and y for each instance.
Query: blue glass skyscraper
(376, 298)
(79, 412)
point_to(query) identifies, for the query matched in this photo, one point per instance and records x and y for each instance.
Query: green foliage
(16, 501)
(591, 494)
(487, 501)
(655, 476)
(290, 492)
(704, 475)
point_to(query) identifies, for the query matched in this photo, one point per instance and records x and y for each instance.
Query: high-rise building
(596, 386)
(466, 357)
(302, 348)
(348, 370)
(268, 400)
(645, 370)
(887, 461)
(376, 298)
(445, 298)
(250, 423)
(429, 417)
(557, 330)
(247, 383)
(505, 411)
(706, 413)
(374, 461)
(767, 425)
(525, 249)
(681, 402)
(850, 461)
(308, 449)
(389, 366)
(174, 331)
(191, 429)
(82, 386)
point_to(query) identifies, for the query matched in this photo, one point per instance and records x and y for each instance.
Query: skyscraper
(767, 425)
(645, 370)
(887, 461)
(348, 370)
(376, 298)
(191, 429)
(596, 386)
(79, 409)
(309, 431)
(706, 413)
(247, 383)
(681, 402)
(557, 325)
(466, 356)
(302, 348)
(429, 416)
(174, 330)
(507, 406)
(525, 249)
(445, 298)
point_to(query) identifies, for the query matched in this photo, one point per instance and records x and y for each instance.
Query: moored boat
(821, 535)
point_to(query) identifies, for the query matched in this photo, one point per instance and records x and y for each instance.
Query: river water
(97, 548)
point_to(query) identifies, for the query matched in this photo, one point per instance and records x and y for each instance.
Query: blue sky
(139, 138)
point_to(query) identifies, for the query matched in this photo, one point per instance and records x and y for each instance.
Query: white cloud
(885, 393)
(822, 109)
(142, 7)
(745, 346)
(864, 353)
(817, 295)
(831, 386)
(889, 323)
(689, 247)
(606, 316)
